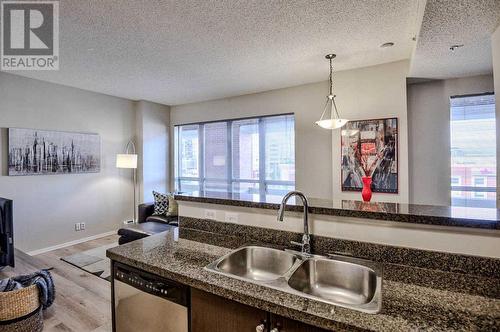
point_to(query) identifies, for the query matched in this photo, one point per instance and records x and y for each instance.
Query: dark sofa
(147, 224)
(146, 215)
(6, 233)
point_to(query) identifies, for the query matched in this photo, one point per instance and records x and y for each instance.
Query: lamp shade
(126, 161)
(332, 123)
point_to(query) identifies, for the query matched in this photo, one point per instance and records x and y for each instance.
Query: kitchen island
(414, 298)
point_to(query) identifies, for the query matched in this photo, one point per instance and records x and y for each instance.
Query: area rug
(93, 261)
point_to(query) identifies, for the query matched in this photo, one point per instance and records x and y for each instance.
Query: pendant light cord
(334, 105)
(331, 97)
(331, 77)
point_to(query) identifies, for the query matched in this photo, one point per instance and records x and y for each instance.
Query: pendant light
(335, 121)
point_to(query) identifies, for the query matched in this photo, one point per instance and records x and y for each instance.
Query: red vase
(367, 188)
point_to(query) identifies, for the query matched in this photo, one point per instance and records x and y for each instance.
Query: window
(473, 150)
(479, 181)
(456, 180)
(188, 155)
(253, 156)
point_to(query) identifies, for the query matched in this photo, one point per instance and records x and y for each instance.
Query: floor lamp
(129, 160)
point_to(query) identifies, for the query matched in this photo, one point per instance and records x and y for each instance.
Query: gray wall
(313, 145)
(47, 206)
(429, 135)
(371, 93)
(153, 126)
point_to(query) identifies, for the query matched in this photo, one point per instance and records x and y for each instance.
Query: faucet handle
(303, 245)
(305, 249)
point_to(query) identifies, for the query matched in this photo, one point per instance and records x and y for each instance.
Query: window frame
(230, 180)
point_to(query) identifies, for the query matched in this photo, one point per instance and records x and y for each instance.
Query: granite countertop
(485, 218)
(405, 306)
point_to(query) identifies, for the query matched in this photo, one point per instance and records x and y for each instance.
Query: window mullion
(201, 156)
(229, 156)
(179, 156)
(262, 158)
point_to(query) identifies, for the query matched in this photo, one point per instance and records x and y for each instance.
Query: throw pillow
(172, 206)
(161, 203)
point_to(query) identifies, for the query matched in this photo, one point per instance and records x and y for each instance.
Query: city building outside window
(251, 155)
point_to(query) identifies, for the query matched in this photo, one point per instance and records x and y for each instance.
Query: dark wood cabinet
(283, 324)
(211, 313)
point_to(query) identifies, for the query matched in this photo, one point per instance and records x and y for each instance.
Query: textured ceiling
(174, 52)
(455, 22)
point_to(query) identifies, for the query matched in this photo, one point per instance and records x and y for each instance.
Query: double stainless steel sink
(344, 282)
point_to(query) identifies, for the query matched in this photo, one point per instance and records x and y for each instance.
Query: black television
(6, 233)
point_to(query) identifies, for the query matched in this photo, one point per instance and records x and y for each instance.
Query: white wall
(495, 48)
(429, 135)
(371, 93)
(46, 207)
(153, 127)
(313, 147)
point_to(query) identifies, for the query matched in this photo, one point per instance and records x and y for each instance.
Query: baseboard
(70, 243)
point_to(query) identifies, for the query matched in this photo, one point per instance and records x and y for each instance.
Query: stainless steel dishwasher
(146, 302)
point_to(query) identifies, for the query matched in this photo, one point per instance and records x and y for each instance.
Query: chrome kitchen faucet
(305, 245)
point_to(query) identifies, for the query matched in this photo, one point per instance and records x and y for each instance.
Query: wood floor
(83, 301)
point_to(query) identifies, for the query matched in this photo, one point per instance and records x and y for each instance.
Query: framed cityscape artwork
(370, 148)
(42, 152)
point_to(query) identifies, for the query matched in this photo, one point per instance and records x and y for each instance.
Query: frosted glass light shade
(332, 123)
(126, 161)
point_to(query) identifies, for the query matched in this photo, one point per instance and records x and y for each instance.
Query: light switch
(210, 214)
